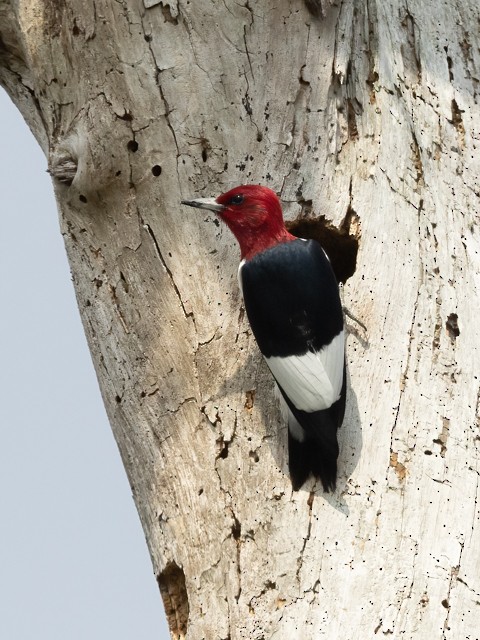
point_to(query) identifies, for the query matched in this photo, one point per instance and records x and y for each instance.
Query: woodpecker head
(253, 214)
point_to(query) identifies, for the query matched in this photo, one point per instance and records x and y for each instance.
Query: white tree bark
(368, 118)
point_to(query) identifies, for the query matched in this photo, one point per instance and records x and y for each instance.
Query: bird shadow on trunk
(255, 382)
(350, 444)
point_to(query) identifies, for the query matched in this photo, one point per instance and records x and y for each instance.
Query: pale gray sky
(73, 560)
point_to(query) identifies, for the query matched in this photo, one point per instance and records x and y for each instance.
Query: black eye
(237, 199)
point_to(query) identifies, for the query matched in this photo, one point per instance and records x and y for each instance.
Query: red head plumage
(254, 215)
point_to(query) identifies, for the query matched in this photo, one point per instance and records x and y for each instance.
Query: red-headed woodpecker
(293, 306)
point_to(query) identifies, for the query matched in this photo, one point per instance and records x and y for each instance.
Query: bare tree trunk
(368, 117)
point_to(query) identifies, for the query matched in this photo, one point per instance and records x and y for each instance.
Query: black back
(291, 298)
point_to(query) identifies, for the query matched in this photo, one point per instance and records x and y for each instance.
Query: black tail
(316, 455)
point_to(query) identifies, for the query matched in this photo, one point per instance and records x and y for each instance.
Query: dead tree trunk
(367, 119)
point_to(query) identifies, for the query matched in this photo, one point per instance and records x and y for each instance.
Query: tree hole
(254, 456)
(175, 599)
(223, 453)
(167, 14)
(250, 399)
(132, 145)
(156, 170)
(340, 245)
(315, 7)
(452, 326)
(236, 528)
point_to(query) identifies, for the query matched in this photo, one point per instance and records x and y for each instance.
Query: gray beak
(205, 203)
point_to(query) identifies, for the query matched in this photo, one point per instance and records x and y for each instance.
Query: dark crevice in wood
(175, 599)
(452, 326)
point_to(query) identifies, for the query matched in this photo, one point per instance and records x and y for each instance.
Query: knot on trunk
(63, 167)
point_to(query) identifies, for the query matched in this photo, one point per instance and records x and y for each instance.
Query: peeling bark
(367, 123)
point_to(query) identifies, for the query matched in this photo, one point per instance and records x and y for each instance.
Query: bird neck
(253, 241)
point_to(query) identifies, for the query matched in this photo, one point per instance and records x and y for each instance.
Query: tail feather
(312, 442)
(317, 455)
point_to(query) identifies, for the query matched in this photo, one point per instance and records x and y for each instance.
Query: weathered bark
(368, 117)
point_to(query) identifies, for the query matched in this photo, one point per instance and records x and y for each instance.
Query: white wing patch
(313, 381)
(294, 426)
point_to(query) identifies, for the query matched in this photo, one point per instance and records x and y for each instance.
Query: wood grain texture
(371, 111)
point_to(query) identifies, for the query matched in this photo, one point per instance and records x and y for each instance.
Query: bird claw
(350, 315)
